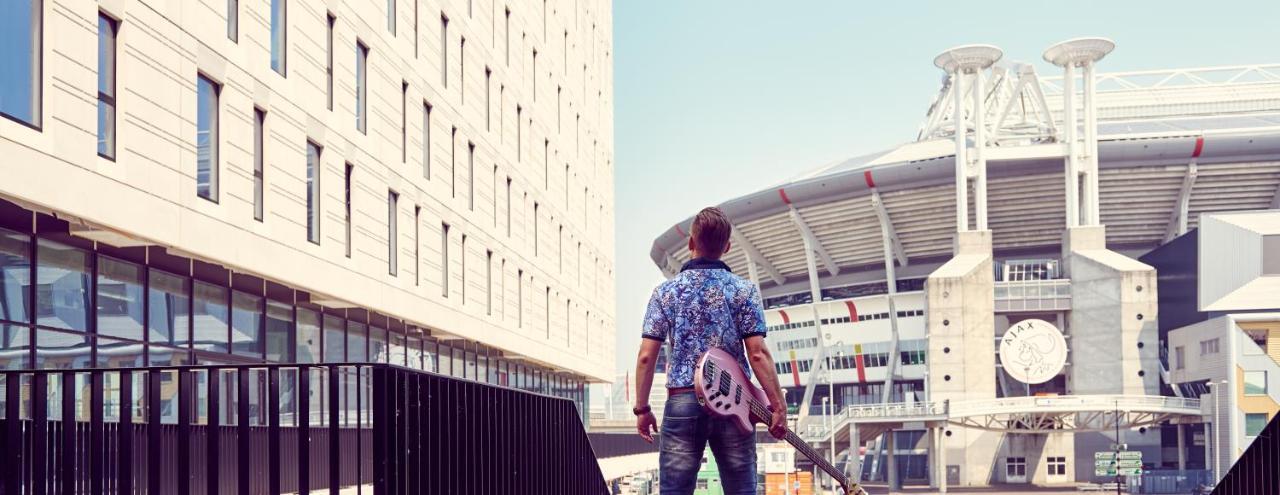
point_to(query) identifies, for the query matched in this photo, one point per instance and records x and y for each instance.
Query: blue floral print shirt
(705, 305)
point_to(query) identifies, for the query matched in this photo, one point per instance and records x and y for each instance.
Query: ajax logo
(1033, 351)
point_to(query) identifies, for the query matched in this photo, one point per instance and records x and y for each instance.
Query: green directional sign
(1130, 463)
(1103, 464)
(1098, 456)
(1129, 455)
(1130, 471)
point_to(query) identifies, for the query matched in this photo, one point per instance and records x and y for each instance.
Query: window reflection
(246, 324)
(62, 287)
(334, 339)
(20, 81)
(210, 318)
(279, 332)
(15, 276)
(308, 347)
(119, 298)
(169, 316)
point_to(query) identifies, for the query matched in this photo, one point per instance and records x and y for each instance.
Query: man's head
(710, 233)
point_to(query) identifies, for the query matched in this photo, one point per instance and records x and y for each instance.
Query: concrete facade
(516, 157)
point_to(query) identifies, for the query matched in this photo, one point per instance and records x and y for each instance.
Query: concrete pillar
(933, 457)
(891, 464)
(1182, 447)
(942, 459)
(854, 467)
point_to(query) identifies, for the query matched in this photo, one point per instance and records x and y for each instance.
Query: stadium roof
(1205, 138)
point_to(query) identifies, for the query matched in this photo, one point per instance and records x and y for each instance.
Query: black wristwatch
(641, 410)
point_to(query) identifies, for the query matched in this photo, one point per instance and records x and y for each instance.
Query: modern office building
(1222, 325)
(973, 300)
(426, 183)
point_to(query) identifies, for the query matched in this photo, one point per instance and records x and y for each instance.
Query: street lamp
(1215, 389)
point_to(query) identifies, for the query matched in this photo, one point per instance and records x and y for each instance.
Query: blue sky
(715, 99)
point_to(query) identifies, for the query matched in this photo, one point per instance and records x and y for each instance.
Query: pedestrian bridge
(1046, 414)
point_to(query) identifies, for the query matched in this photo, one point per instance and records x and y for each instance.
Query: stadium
(1114, 215)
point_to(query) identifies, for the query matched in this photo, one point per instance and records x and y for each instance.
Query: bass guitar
(726, 392)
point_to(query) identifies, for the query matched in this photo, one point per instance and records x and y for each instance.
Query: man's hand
(646, 425)
(778, 423)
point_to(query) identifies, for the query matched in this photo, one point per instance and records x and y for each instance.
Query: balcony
(288, 428)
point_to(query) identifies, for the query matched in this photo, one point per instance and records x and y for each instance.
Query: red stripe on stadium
(853, 311)
(867, 176)
(783, 194)
(785, 319)
(1199, 147)
(862, 371)
(681, 231)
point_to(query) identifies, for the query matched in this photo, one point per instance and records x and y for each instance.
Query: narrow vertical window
(426, 140)
(508, 207)
(404, 122)
(328, 63)
(560, 249)
(453, 162)
(488, 282)
(462, 70)
(21, 29)
(568, 331)
(535, 229)
(558, 92)
(519, 298)
(566, 186)
(444, 50)
(487, 76)
(279, 35)
(471, 176)
(546, 306)
(534, 75)
(393, 234)
(506, 35)
(544, 19)
(417, 245)
(391, 16)
(233, 20)
(566, 52)
(259, 120)
(519, 133)
(546, 164)
(313, 192)
(362, 58)
(415, 28)
(107, 28)
(207, 138)
(346, 204)
(444, 259)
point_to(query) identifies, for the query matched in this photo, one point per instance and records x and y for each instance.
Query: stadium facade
(422, 183)
(892, 280)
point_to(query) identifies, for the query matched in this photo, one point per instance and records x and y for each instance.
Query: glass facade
(21, 36)
(90, 309)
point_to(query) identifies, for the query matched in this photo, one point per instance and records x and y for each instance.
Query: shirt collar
(705, 264)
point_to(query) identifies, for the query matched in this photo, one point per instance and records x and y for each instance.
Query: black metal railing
(273, 429)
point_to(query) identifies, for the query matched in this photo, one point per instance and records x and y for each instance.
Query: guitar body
(727, 393)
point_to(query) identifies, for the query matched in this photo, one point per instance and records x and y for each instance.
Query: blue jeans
(686, 431)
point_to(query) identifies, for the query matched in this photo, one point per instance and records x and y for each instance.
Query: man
(704, 306)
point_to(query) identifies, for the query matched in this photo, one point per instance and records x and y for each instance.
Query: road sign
(1098, 456)
(1130, 463)
(1134, 454)
(1103, 464)
(1130, 471)
(1119, 446)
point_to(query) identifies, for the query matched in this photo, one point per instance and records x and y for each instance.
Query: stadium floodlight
(1085, 53)
(958, 62)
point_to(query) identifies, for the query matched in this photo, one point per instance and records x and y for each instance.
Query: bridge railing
(1073, 402)
(819, 426)
(287, 428)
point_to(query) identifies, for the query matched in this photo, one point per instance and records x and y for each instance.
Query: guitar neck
(761, 415)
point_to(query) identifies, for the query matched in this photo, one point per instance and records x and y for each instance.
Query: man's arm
(646, 424)
(767, 375)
